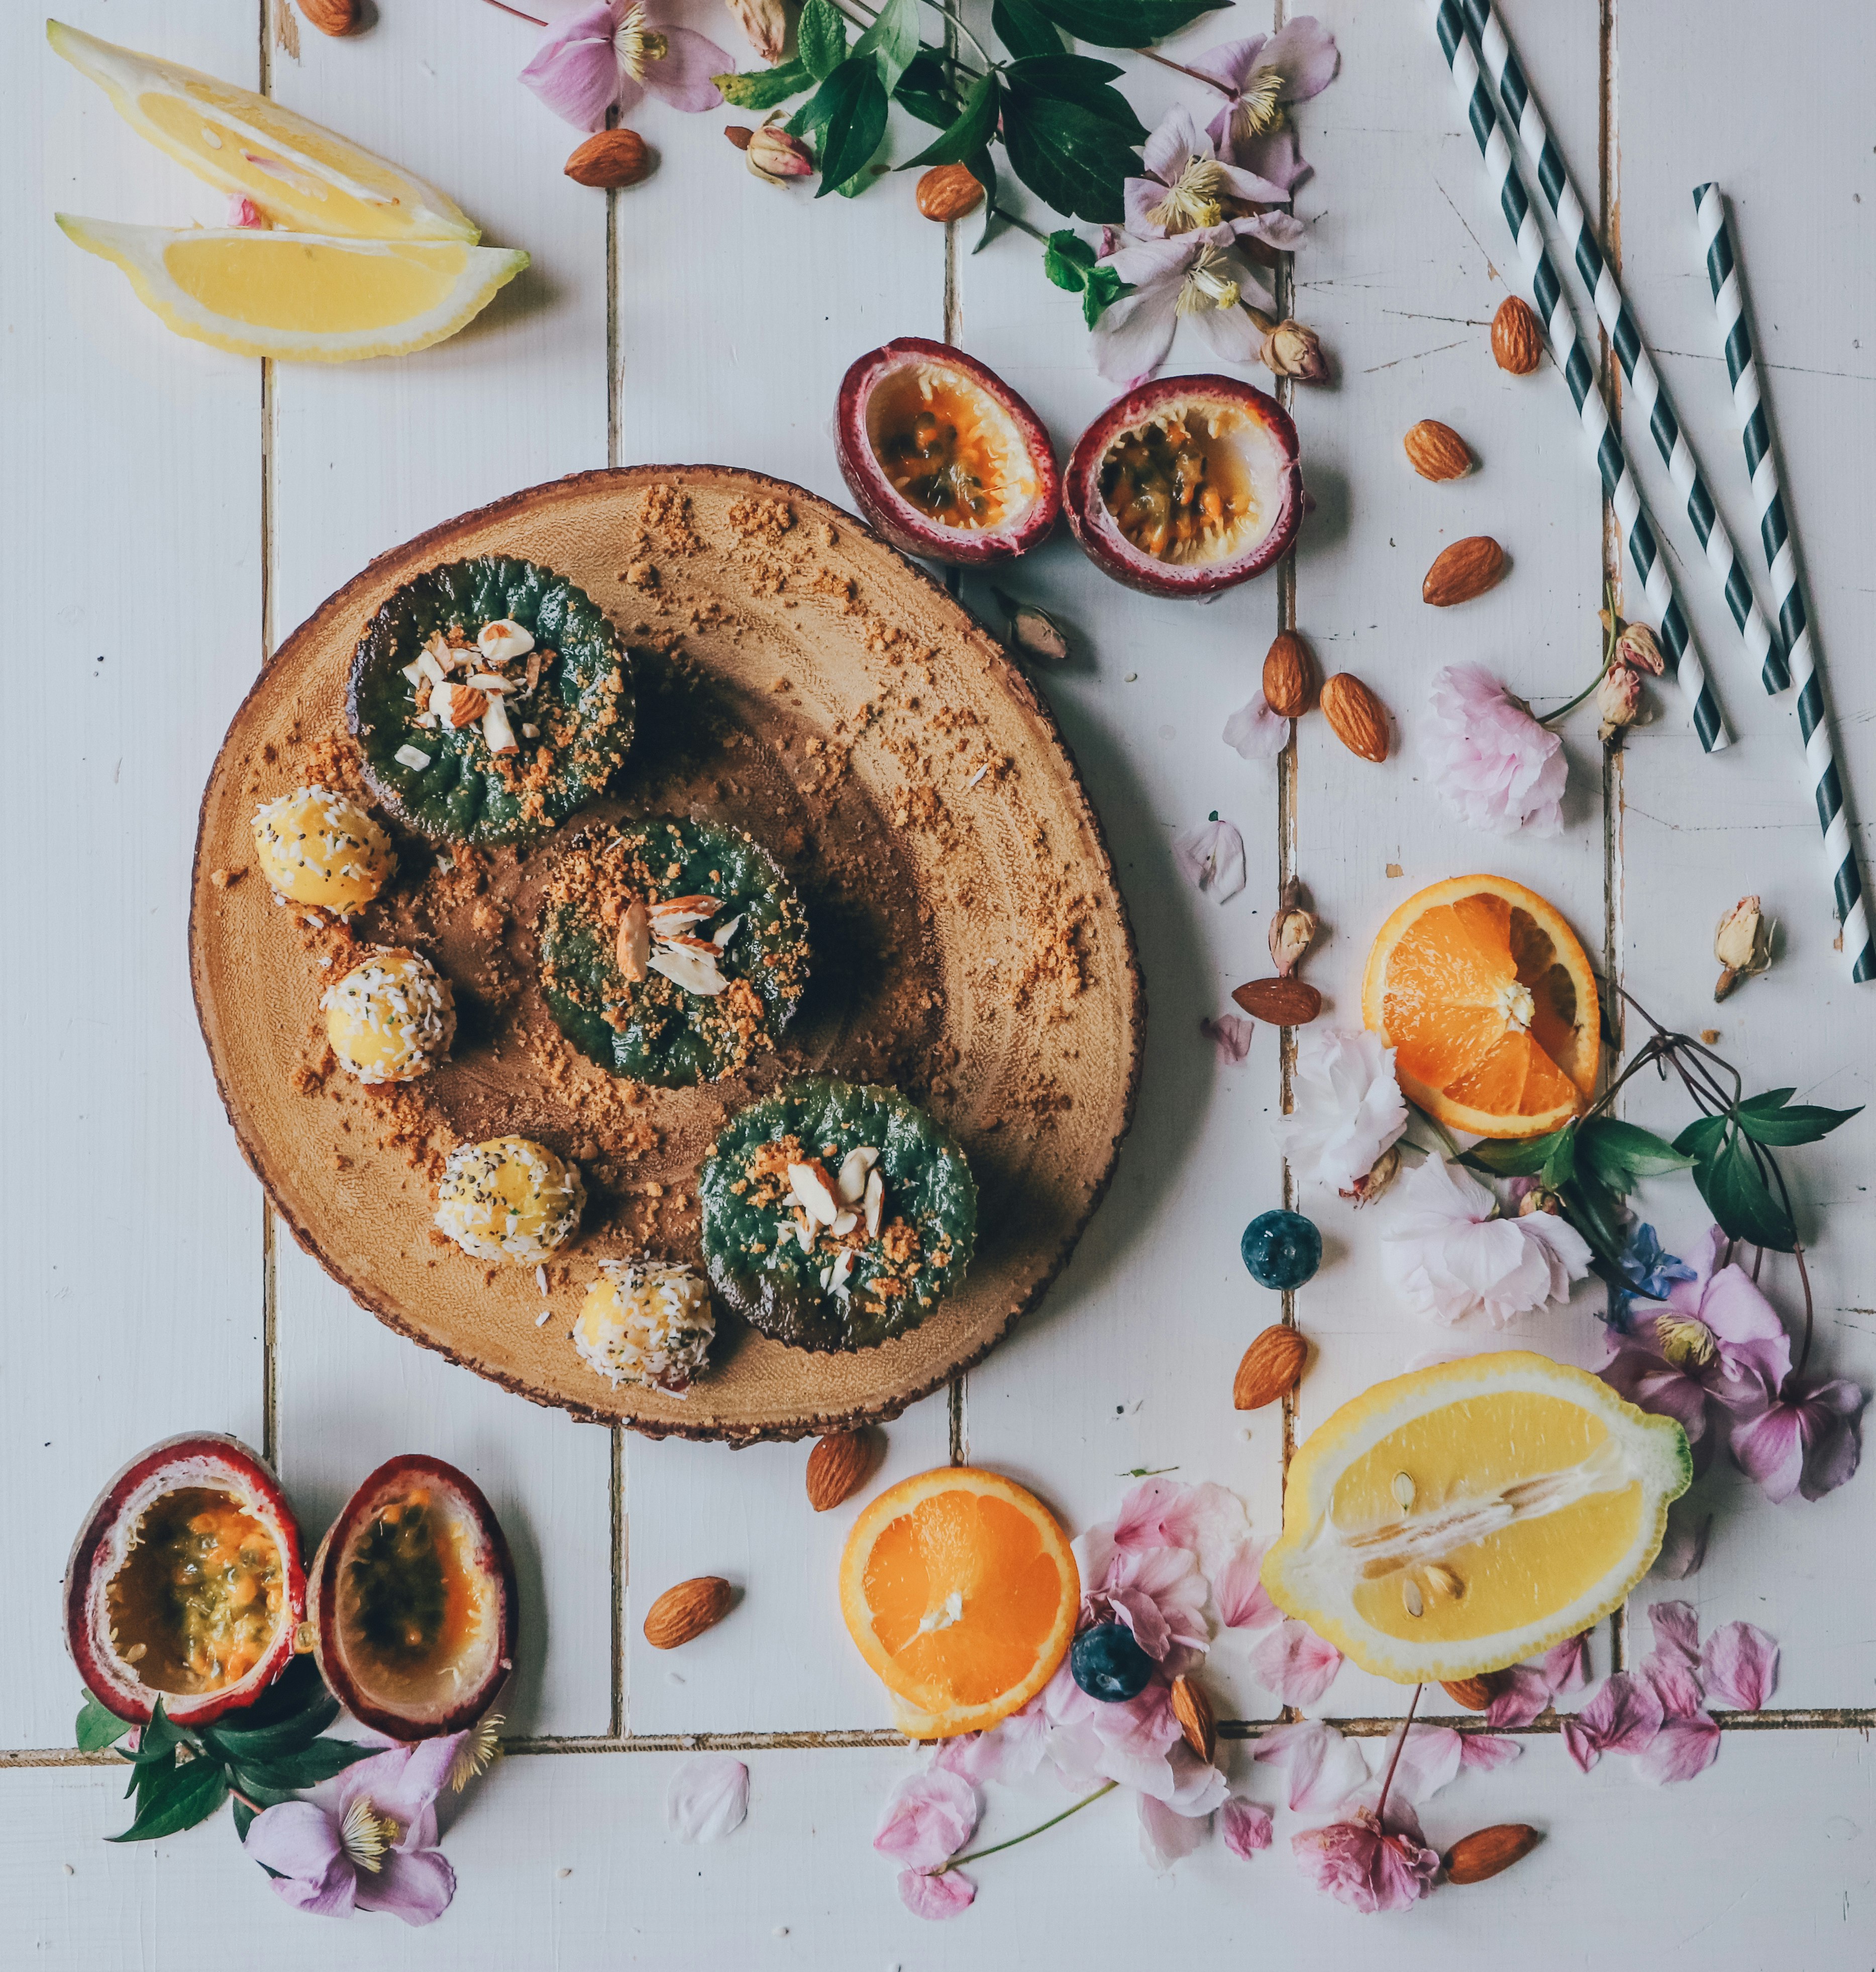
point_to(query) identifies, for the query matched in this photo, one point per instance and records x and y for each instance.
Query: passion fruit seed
(1165, 496)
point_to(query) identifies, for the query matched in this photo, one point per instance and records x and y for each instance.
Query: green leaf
(1766, 1119)
(308, 1766)
(1067, 258)
(763, 88)
(1124, 24)
(267, 1731)
(892, 41)
(1701, 1138)
(98, 1726)
(849, 109)
(178, 1799)
(1105, 287)
(1024, 29)
(158, 1740)
(1620, 1153)
(244, 1819)
(925, 90)
(1072, 159)
(1596, 1213)
(822, 39)
(985, 172)
(1076, 78)
(1560, 1166)
(1519, 1157)
(1741, 1206)
(972, 131)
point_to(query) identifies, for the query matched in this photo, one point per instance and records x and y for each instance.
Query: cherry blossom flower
(1254, 731)
(1446, 1254)
(1368, 1863)
(609, 53)
(1212, 856)
(1295, 1664)
(365, 1840)
(1245, 1826)
(1231, 1034)
(1808, 1440)
(1346, 1106)
(1196, 277)
(1260, 76)
(1186, 189)
(708, 1799)
(1493, 764)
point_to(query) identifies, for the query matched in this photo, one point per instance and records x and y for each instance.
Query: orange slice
(1489, 1000)
(961, 1592)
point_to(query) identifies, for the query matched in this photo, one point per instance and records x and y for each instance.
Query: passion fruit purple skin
(204, 1459)
(486, 1553)
(1110, 550)
(890, 513)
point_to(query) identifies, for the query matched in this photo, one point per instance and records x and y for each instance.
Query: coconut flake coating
(866, 1282)
(391, 1018)
(648, 1322)
(508, 1199)
(317, 848)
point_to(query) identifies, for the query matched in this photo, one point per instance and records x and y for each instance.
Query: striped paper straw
(1787, 590)
(1611, 310)
(1612, 457)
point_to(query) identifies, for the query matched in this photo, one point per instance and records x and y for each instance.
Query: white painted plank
(365, 455)
(132, 1282)
(567, 1862)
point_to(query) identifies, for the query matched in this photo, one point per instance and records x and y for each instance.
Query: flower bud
(1618, 700)
(1291, 929)
(1291, 350)
(1636, 647)
(765, 24)
(1742, 942)
(1537, 1200)
(1378, 1177)
(1034, 632)
(775, 155)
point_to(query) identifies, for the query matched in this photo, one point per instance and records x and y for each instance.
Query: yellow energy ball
(648, 1322)
(392, 1018)
(318, 848)
(508, 1199)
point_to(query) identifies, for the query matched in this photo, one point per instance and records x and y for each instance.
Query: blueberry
(1281, 1248)
(1108, 1664)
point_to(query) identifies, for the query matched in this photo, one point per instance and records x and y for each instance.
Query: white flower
(1446, 1256)
(1347, 1106)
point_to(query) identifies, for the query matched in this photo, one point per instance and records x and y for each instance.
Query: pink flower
(1198, 278)
(1623, 1717)
(1254, 731)
(1295, 1664)
(1739, 1667)
(1212, 857)
(1687, 1741)
(1807, 1441)
(1260, 76)
(1366, 1866)
(1323, 1769)
(1245, 1826)
(243, 212)
(1231, 1035)
(708, 1799)
(1239, 1595)
(927, 1818)
(608, 53)
(1493, 765)
(1185, 186)
(1618, 700)
(1346, 1106)
(1160, 1595)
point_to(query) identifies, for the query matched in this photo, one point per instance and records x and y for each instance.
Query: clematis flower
(1493, 765)
(609, 53)
(1347, 1108)
(1623, 1717)
(1254, 731)
(1245, 1826)
(1649, 1274)
(365, 1839)
(1231, 1034)
(1445, 1254)
(708, 1798)
(1295, 1664)
(1807, 1441)
(1367, 1865)
(1193, 276)
(1260, 77)
(1212, 855)
(1186, 189)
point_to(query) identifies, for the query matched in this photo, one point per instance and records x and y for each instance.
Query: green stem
(1440, 1129)
(1564, 711)
(978, 1855)
(958, 21)
(1023, 225)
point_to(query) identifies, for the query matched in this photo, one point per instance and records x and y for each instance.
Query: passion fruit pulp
(942, 457)
(1186, 486)
(185, 1583)
(412, 1602)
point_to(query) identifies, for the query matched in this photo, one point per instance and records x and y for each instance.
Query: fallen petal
(1245, 1826)
(1231, 1035)
(1296, 1664)
(1166, 1834)
(1684, 1746)
(1483, 1751)
(708, 1798)
(936, 1897)
(1740, 1666)
(928, 1817)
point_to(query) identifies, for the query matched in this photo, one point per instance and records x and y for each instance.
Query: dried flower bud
(775, 155)
(1034, 632)
(1635, 647)
(1291, 929)
(1291, 350)
(1378, 1177)
(1742, 943)
(1618, 700)
(1537, 1200)
(765, 24)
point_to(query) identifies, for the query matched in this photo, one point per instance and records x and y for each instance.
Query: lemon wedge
(1450, 1523)
(298, 297)
(300, 175)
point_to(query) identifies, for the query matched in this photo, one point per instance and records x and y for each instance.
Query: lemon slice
(298, 297)
(1452, 1522)
(299, 173)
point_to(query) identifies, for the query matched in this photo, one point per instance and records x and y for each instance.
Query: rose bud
(1637, 648)
(1618, 700)
(776, 156)
(1379, 1175)
(1291, 350)
(1742, 943)
(1537, 1200)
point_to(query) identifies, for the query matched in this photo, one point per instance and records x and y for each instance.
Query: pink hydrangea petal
(1238, 1593)
(1296, 1664)
(1525, 1692)
(1245, 1826)
(1688, 1743)
(1740, 1666)
(936, 1897)
(682, 77)
(928, 1817)
(1482, 1752)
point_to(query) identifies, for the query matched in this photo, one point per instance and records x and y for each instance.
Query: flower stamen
(634, 44)
(1684, 1342)
(1192, 200)
(1207, 284)
(364, 1835)
(1260, 102)
(477, 1752)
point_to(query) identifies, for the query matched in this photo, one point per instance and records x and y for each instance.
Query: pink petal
(1566, 1667)
(574, 71)
(1305, 51)
(1238, 1591)
(1684, 1546)
(1527, 1691)
(1685, 1745)
(1198, 1788)
(936, 1897)
(416, 1885)
(1677, 1633)
(1623, 1717)
(1147, 1512)
(1273, 156)
(1295, 1664)
(1674, 1685)
(1323, 1769)
(1229, 62)
(928, 1817)
(1350, 1860)
(1484, 1750)
(1429, 1758)
(1245, 1826)
(1581, 1746)
(683, 76)
(1171, 147)
(1212, 857)
(1769, 1450)
(1231, 1035)
(708, 1798)
(1254, 731)
(333, 1894)
(1740, 1665)
(1165, 1835)
(242, 210)
(296, 1838)
(1010, 1751)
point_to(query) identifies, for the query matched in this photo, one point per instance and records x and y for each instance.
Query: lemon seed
(1445, 1582)
(1404, 1490)
(1410, 1596)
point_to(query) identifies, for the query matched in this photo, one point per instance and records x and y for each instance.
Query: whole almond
(1270, 1368)
(1467, 569)
(1516, 337)
(687, 1610)
(1473, 1694)
(1484, 1853)
(1198, 1725)
(1284, 1002)
(1356, 716)
(837, 1468)
(1436, 452)
(1291, 679)
(330, 17)
(948, 192)
(610, 159)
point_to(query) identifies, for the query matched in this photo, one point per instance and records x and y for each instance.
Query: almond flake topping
(497, 731)
(853, 1173)
(812, 1191)
(691, 963)
(502, 639)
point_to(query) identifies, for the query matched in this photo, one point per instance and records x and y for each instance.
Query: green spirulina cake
(671, 951)
(836, 1215)
(490, 699)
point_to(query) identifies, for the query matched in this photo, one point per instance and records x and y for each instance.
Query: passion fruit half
(185, 1583)
(1186, 486)
(942, 457)
(412, 1604)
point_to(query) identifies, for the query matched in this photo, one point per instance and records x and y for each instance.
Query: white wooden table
(170, 512)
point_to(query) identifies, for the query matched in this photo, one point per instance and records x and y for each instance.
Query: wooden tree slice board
(794, 677)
